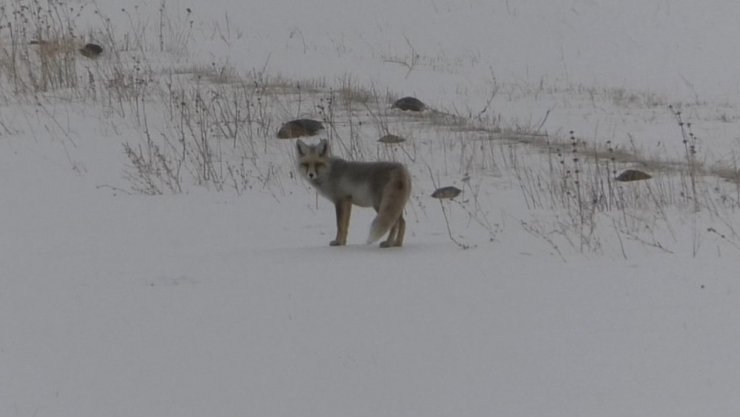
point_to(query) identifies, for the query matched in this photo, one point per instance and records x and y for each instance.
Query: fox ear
(323, 147)
(301, 147)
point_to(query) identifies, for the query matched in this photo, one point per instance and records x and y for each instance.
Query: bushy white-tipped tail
(380, 227)
(395, 195)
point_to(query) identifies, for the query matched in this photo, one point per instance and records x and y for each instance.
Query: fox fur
(384, 186)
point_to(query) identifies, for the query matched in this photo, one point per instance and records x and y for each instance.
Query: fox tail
(395, 195)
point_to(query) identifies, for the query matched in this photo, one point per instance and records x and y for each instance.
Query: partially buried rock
(390, 139)
(633, 175)
(409, 103)
(298, 128)
(91, 50)
(446, 192)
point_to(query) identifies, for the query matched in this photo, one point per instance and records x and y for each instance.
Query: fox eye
(304, 167)
(320, 166)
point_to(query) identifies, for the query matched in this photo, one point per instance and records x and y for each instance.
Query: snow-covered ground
(219, 295)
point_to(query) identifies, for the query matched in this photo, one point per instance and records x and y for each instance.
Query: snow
(116, 303)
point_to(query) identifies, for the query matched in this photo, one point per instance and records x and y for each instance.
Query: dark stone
(633, 175)
(390, 139)
(409, 103)
(299, 127)
(446, 192)
(91, 50)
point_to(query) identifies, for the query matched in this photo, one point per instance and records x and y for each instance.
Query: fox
(384, 186)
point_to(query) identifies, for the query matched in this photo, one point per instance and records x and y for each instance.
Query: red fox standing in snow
(384, 186)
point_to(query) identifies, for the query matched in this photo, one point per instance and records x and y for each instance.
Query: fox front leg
(343, 209)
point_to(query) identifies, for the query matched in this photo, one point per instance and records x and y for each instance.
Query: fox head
(313, 159)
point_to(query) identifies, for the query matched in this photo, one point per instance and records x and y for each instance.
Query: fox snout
(312, 170)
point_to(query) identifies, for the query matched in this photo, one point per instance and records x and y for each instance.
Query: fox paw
(336, 243)
(388, 244)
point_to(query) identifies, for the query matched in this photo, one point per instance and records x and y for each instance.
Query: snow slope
(198, 305)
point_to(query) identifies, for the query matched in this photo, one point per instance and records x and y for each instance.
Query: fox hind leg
(395, 236)
(390, 242)
(400, 231)
(343, 210)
